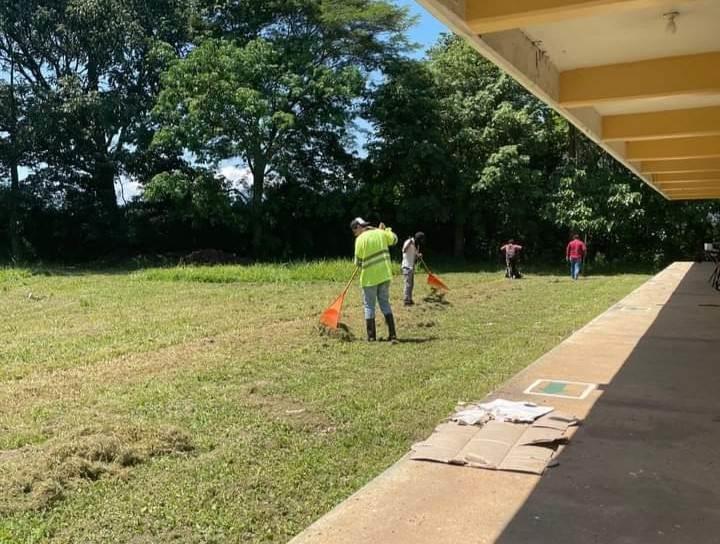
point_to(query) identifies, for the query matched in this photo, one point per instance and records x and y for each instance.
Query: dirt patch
(8, 455)
(342, 333)
(35, 477)
(291, 412)
(436, 298)
(181, 536)
(427, 324)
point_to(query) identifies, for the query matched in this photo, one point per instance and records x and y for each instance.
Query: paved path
(644, 467)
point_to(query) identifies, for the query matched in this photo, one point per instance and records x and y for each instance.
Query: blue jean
(379, 293)
(575, 267)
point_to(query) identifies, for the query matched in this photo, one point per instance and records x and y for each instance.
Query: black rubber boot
(392, 336)
(370, 324)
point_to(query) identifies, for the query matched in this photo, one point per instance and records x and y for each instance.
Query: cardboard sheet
(497, 445)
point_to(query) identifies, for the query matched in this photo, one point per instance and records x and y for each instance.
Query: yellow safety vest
(373, 256)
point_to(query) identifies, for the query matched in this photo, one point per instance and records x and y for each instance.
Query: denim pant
(409, 275)
(379, 293)
(575, 267)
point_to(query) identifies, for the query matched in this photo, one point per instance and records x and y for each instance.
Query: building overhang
(641, 78)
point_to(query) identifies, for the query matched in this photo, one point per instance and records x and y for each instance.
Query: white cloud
(235, 173)
(126, 189)
(240, 177)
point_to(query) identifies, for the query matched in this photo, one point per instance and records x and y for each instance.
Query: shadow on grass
(73, 271)
(448, 265)
(436, 298)
(563, 269)
(341, 333)
(425, 340)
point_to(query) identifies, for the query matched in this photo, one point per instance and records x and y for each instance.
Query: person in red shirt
(575, 255)
(512, 253)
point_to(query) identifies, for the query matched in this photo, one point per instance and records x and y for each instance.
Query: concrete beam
(681, 165)
(703, 195)
(656, 78)
(689, 123)
(676, 148)
(710, 191)
(686, 176)
(517, 50)
(694, 197)
(689, 187)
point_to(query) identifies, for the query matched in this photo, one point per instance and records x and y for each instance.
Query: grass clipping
(35, 477)
(342, 333)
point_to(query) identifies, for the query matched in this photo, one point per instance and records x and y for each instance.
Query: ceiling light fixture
(670, 17)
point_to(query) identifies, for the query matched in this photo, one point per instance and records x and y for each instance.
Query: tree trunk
(104, 171)
(256, 217)
(104, 183)
(459, 245)
(14, 219)
(14, 200)
(573, 143)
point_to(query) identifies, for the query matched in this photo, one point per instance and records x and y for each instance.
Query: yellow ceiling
(639, 77)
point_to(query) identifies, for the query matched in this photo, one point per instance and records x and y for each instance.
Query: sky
(427, 29)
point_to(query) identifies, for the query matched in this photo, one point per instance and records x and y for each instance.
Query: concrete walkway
(643, 468)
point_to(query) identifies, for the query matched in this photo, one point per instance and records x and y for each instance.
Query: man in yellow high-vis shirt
(372, 255)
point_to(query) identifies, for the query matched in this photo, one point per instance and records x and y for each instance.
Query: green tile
(554, 388)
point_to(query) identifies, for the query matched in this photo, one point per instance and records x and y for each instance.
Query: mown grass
(202, 404)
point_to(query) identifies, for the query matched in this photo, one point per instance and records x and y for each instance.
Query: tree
(461, 140)
(274, 82)
(92, 68)
(13, 149)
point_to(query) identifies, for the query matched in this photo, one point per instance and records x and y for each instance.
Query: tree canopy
(321, 113)
(272, 86)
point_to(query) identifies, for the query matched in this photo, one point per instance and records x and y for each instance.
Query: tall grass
(330, 270)
(8, 275)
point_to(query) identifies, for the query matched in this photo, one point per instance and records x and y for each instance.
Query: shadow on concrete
(645, 466)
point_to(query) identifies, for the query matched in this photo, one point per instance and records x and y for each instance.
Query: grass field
(204, 405)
